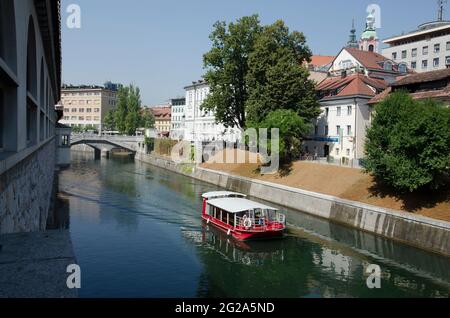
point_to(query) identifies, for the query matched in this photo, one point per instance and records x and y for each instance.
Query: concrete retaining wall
(25, 192)
(415, 230)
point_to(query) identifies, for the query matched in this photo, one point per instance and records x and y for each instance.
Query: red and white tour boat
(241, 218)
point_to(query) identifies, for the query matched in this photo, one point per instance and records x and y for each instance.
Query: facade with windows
(87, 106)
(200, 124)
(178, 106)
(30, 81)
(426, 49)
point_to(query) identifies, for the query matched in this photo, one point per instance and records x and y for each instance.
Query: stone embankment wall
(26, 190)
(415, 230)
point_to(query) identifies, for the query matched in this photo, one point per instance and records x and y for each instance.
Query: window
(316, 130)
(447, 60)
(74, 110)
(337, 151)
(88, 110)
(338, 130)
(349, 130)
(348, 152)
(65, 140)
(73, 118)
(425, 50)
(388, 66)
(338, 111)
(448, 46)
(327, 111)
(88, 118)
(402, 68)
(326, 130)
(424, 64)
(413, 52)
(66, 110)
(437, 48)
(413, 65)
(81, 110)
(31, 124)
(394, 55)
(404, 54)
(436, 62)
(96, 110)
(349, 110)
(81, 118)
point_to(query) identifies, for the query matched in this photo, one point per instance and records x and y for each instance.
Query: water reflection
(137, 232)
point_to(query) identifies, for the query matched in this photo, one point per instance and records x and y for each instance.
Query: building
(200, 124)
(318, 67)
(423, 50)
(355, 77)
(163, 118)
(86, 106)
(434, 84)
(30, 81)
(178, 106)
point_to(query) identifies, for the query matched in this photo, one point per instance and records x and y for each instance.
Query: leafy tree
(133, 117)
(227, 67)
(122, 109)
(147, 119)
(408, 144)
(109, 121)
(291, 127)
(276, 77)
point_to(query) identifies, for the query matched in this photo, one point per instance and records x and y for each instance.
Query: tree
(132, 119)
(227, 67)
(408, 144)
(147, 119)
(276, 77)
(291, 127)
(122, 109)
(109, 121)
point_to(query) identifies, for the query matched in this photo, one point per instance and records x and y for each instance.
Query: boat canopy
(236, 205)
(222, 194)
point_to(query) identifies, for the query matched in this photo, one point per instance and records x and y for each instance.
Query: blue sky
(158, 45)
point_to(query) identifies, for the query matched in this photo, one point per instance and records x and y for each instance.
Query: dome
(369, 34)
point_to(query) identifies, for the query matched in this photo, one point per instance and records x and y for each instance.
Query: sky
(159, 45)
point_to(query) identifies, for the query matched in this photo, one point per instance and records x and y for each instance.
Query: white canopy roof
(235, 205)
(222, 194)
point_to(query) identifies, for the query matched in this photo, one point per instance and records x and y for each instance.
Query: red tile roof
(351, 85)
(368, 59)
(423, 77)
(161, 113)
(321, 60)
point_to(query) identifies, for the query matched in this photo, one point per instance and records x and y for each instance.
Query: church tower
(352, 42)
(369, 40)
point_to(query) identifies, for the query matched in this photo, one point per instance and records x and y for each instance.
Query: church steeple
(369, 40)
(352, 40)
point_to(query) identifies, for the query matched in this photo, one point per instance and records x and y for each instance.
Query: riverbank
(33, 265)
(416, 230)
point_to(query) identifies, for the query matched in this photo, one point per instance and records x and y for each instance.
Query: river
(137, 232)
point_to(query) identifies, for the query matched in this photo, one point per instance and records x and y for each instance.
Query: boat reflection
(250, 253)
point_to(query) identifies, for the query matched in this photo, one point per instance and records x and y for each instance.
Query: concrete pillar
(97, 153)
(105, 153)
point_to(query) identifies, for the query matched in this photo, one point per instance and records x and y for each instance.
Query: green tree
(227, 67)
(147, 119)
(408, 144)
(122, 109)
(276, 78)
(109, 121)
(291, 127)
(133, 117)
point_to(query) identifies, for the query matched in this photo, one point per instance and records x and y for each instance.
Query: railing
(260, 224)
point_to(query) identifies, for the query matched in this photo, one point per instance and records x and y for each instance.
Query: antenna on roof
(441, 9)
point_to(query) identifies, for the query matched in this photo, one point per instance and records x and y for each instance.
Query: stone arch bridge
(103, 144)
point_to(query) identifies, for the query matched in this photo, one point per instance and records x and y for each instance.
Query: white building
(200, 125)
(178, 106)
(355, 77)
(423, 50)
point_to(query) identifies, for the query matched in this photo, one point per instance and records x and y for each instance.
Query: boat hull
(244, 235)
